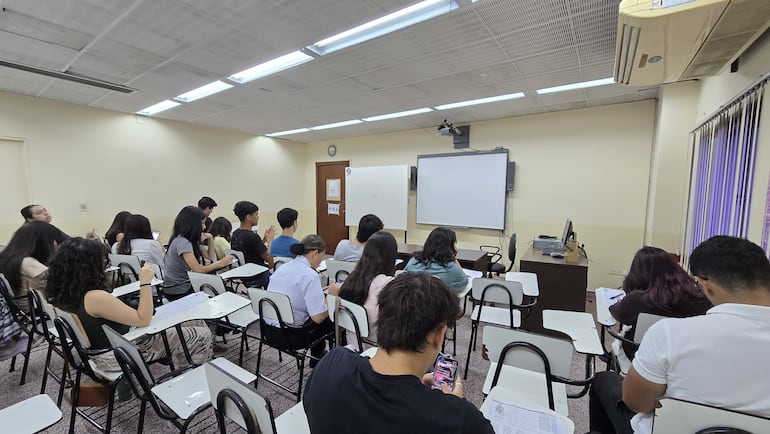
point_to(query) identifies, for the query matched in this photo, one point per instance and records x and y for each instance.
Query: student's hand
(206, 236)
(91, 235)
(146, 274)
(269, 234)
(227, 259)
(333, 289)
(428, 380)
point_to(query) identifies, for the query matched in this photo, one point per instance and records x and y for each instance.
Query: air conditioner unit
(663, 41)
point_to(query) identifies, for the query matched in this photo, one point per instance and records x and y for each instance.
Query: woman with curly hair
(76, 277)
(439, 257)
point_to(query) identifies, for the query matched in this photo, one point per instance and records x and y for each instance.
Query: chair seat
(243, 317)
(110, 376)
(188, 392)
(529, 385)
(496, 315)
(293, 421)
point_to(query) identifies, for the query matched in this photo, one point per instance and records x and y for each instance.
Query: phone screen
(444, 372)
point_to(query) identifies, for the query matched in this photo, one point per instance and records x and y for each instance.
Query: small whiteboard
(379, 190)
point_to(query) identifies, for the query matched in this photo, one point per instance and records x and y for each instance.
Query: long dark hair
(378, 257)
(137, 226)
(116, 227)
(665, 283)
(188, 225)
(77, 268)
(221, 227)
(439, 247)
(34, 239)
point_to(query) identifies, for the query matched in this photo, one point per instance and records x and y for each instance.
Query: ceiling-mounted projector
(446, 129)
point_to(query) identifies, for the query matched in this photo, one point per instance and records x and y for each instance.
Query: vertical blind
(722, 170)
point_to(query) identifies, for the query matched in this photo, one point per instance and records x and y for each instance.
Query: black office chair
(495, 256)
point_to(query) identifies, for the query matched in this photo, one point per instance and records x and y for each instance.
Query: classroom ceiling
(164, 48)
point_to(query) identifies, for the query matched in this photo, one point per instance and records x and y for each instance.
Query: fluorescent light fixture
(574, 86)
(337, 124)
(203, 91)
(406, 17)
(82, 79)
(398, 114)
(271, 67)
(287, 132)
(479, 101)
(157, 108)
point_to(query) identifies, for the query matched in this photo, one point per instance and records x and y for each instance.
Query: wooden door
(329, 226)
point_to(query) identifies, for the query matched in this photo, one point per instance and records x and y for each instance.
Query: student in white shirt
(138, 241)
(715, 359)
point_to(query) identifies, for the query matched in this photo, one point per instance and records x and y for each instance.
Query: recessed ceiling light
(574, 86)
(271, 67)
(480, 101)
(408, 16)
(157, 108)
(398, 114)
(287, 132)
(203, 91)
(336, 124)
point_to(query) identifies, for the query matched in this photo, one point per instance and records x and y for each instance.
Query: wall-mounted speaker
(463, 140)
(413, 177)
(510, 175)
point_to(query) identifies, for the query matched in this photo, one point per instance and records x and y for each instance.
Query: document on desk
(177, 306)
(611, 295)
(473, 274)
(513, 419)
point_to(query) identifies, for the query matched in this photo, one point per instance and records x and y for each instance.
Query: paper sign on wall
(333, 189)
(334, 208)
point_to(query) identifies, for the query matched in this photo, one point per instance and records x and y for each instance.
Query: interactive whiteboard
(465, 189)
(379, 190)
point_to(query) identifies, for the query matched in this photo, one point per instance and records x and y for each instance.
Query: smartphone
(444, 372)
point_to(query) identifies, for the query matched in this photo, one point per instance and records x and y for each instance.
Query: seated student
(656, 284)
(391, 393)
(220, 229)
(374, 270)
(714, 359)
(183, 251)
(39, 213)
(439, 257)
(299, 280)
(24, 262)
(137, 240)
(287, 219)
(253, 247)
(350, 250)
(75, 279)
(207, 204)
(115, 233)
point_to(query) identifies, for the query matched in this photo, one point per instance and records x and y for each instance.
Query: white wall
(113, 161)
(591, 165)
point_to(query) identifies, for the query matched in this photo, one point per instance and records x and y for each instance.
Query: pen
(616, 296)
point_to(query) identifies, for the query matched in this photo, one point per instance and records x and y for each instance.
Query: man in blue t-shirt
(281, 245)
(390, 393)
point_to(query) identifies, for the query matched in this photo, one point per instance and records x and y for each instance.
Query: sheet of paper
(334, 208)
(512, 419)
(175, 307)
(611, 295)
(473, 274)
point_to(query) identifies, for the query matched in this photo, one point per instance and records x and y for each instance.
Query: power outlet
(83, 207)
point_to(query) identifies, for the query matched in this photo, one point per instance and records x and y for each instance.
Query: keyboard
(554, 250)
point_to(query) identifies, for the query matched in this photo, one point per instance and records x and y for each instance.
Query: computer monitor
(568, 232)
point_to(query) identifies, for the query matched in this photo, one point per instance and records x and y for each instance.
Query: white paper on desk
(611, 295)
(512, 419)
(473, 274)
(177, 306)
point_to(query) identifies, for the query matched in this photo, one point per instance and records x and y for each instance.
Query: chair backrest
(72, 338)
(8, 294)
(238, 256)
(352, 317)
(157, 270)
(211, 284)
(643, 323)
(41, 313)
(678, 416)
(338, 271)
(498, 291)
(238, 401)
(129, 265)
(271, 305)
(280, 260)
(558, 351)
(77, 328)
(118, 341)
(512, 248)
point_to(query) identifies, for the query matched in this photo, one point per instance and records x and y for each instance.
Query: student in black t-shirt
(255, 249)
(391, 393)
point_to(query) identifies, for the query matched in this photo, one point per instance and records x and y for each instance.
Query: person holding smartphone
(347, 393)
